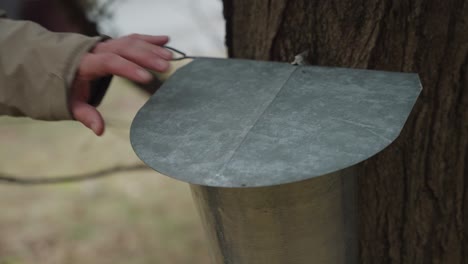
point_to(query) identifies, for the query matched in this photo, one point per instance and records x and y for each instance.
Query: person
(63, 76)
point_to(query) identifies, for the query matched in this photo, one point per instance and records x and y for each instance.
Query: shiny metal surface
(312, 221)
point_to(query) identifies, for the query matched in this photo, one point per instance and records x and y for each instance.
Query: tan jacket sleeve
(37, 68)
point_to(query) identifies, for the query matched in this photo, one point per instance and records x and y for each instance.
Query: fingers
(126, 57)
(143, 50)
(156, 40)
(96, 65)
(91, 67)
(162, 52)
(144, 54)
(88, 116)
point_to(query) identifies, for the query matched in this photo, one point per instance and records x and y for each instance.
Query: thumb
(88, 116)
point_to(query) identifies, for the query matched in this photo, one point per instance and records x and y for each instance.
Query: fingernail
(144, 75)
(94, 127)
(167, 54)
(162, 64)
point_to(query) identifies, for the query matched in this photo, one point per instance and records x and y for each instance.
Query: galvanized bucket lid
(242, 123)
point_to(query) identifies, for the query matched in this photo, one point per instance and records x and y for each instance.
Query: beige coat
(37, 68)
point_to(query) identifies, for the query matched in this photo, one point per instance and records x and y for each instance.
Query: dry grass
(135, 218)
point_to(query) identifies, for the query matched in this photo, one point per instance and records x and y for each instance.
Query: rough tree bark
(413, 195)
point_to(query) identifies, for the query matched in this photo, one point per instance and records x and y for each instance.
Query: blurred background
(133, 217)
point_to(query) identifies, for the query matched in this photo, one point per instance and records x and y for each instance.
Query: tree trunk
(413, 195)
(57, 15)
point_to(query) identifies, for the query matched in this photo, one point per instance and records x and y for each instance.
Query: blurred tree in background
(79, 16)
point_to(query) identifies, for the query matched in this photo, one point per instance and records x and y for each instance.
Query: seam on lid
(221, 171)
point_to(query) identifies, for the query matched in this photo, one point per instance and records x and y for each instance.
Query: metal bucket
(312, 221)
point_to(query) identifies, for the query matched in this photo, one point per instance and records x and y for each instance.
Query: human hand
(126, 57)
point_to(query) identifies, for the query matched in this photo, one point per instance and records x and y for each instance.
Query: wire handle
(184, 56)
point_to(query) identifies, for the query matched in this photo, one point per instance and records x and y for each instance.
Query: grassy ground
(134, 218)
